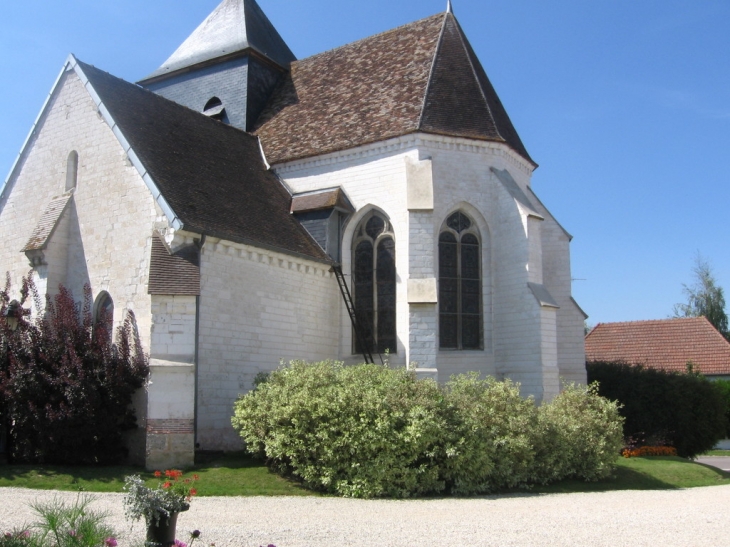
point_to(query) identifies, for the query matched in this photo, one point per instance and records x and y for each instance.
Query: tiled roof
(47, 223)
(321, 199)
(421, 77)
(212, 175)
(666, 344)
(174, 273)
(234, 26)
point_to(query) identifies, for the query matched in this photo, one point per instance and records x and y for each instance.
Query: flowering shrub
(579, 436)
(649, 451)
(489, 437)
(369, 431)
(364, 431)
(172, 495)
(65, 389)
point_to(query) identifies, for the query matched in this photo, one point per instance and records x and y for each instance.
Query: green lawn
(236, 474)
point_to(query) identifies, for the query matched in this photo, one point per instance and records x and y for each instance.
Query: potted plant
(159, 506)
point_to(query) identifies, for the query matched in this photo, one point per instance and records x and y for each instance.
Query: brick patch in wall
(170, 427)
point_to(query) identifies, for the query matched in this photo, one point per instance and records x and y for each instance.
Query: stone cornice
(404, 144)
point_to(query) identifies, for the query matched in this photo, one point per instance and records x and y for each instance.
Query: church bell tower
(228, 67)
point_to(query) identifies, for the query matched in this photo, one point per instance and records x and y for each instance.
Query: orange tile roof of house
(666, 344)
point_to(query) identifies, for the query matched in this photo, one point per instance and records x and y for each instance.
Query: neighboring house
(214, 198)
(665, 344)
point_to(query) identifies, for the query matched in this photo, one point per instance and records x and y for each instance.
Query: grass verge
(236, 474)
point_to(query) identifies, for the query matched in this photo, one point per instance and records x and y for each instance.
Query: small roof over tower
(234, 27)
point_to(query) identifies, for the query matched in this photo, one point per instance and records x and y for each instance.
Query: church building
(369, 202)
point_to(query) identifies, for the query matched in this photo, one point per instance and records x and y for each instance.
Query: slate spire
(228, 67)
(233, 27)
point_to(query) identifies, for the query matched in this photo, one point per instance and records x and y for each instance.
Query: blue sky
(624, 104)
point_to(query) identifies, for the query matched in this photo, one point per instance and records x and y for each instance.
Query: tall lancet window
(460, 285)
(72, 170)
(373, 251)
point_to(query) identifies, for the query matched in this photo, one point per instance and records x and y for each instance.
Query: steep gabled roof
(234, 26)
(210, 177)
(666, 344)
(421, 77)
(176, 273)
(47, 224)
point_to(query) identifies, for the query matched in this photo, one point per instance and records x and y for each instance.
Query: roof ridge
(476, 76)
(431, 71)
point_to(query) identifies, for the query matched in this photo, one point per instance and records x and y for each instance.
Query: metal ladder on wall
(362, 338)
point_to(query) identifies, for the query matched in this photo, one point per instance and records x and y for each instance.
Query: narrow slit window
(72, 170)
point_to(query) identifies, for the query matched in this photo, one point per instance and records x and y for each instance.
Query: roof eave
(174, 220)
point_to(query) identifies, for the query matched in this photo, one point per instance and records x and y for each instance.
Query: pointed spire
(235, 25)
(449, 8)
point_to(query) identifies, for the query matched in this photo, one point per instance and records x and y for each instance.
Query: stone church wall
(104, 233)
(257, 308)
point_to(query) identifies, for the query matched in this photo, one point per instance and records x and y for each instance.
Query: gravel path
(686, 518)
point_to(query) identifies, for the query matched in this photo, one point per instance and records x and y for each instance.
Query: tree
(65, 389)
(704, 298)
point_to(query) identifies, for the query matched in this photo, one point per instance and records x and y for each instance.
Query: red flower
(158, 474)
(193, 492)
(166, 484)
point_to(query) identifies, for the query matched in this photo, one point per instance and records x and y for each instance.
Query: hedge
(685, 411)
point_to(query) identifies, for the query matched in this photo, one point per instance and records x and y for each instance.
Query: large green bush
(490, 435)
(362, 431)
(367, 431)
(579, 436)
(684, 410)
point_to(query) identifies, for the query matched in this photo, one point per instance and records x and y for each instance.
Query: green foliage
(65, 388)
(489, 436)
(64, 525)
(723, 386)
(579, 435)
(369, 430)
(704, 298)
(685, 410)
(361, 431)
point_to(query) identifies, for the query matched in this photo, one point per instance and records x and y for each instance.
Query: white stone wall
(521, 339)
(558, 280)
(104, 236)
(257, 308)
(171, 389)
(111, 205)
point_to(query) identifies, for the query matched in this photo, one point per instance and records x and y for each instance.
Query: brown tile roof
(47, 223)
(321, 199)
(666, 344)
(212, 175)
(421, 77)
(174, 273)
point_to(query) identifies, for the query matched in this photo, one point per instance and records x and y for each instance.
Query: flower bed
(649, 451)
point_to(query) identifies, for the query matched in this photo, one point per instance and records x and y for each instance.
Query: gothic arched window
(104, 315)
(373, 272)
(460, 285)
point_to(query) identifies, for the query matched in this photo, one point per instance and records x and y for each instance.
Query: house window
(374, 283)
(460, 285)
(72, 170)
